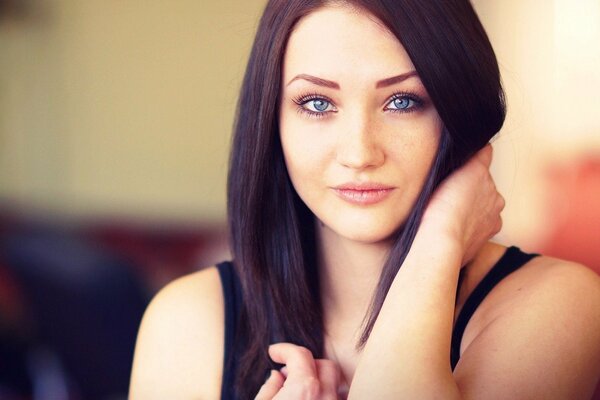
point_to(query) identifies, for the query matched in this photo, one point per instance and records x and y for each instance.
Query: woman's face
(358, 129)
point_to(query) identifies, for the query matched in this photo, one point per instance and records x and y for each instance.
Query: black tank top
(512, 260)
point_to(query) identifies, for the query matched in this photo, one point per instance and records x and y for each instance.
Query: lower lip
(363, 197)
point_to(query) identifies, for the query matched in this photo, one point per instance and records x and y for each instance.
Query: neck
(348, 272)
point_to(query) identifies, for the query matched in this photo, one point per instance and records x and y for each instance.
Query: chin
(377, 234)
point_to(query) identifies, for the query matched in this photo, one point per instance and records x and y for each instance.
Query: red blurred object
(12, 305)
(574, 212)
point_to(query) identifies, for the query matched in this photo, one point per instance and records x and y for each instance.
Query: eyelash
(303, 99)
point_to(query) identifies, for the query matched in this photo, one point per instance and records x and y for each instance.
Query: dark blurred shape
(72, 297)
(15, 340)
(16, 9)
(86, 304)
(15, 382)
(574, 212)
(161, 254)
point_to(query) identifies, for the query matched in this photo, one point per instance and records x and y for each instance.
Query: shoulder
(541, 335)
(565, 276)
(180, 344)
(567, 292)
(557, 285)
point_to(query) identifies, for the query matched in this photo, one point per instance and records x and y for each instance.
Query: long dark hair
(271, 230)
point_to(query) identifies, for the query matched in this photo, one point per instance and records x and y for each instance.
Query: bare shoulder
(541, 336)
(568, 276)
(180, 344)
(555, 281)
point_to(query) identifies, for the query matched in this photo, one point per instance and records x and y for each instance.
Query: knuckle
(498, 226)
(304, 352)
(502, 202)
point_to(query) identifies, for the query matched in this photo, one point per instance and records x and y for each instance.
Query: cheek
(414, 143)
(304, 150)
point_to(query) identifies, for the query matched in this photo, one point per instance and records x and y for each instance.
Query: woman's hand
(466, 206)
(303, 377)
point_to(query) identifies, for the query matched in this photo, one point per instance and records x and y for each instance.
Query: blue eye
(314, 105)
(403, 103)
(318, 105)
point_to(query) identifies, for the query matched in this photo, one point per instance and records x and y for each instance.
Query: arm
(461, 216)
(543, 342)
(420, 306)
(179, 349)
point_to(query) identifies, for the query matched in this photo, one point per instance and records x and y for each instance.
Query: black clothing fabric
(512, 260)
(232, 294)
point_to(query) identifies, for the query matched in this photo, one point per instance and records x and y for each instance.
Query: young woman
(360, 208)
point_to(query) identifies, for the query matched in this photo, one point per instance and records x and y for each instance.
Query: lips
(363, 193)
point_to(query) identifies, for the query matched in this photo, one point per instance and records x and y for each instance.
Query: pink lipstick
(363, 193)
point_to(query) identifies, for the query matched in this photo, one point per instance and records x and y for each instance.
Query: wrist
(433, 243)
(440, 232)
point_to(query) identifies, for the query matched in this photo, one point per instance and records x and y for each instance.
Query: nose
(358, 146)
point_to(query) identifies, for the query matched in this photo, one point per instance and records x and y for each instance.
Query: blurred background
(115, 121)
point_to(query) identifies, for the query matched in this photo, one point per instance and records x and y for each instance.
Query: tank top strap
(232, 295)
(512, 259)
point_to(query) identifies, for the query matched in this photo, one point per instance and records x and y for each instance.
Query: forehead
(337, 41)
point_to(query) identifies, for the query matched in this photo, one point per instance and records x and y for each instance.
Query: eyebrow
(334, 85)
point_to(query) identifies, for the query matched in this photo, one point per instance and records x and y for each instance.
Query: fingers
(476, 165)
(298, 360)
(329, 376)
(467, 205)
(271, 387)
(301, 372)
(498, 226)
(302, 376)
(501, 202)
(485, 155)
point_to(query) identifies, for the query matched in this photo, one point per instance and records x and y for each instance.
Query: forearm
(408, 352)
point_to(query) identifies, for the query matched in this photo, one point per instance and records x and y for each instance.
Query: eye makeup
(304, 99)
(409, 102)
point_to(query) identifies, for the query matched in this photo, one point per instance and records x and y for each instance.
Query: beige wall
(549, 58)
(125, 107)
(121, 107)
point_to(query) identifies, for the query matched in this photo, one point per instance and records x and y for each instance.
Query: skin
(468, 191)
(362, 137)
(544, 318)
(358, 137)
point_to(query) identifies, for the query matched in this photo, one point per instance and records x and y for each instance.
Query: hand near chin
(303, 377)
(466, 206)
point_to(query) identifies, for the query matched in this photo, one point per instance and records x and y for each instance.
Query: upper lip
(362, 186)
